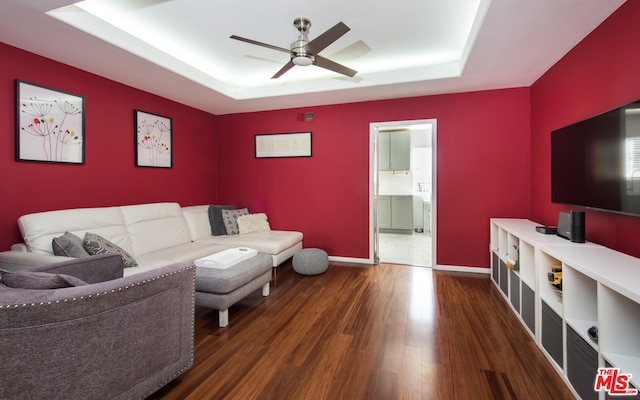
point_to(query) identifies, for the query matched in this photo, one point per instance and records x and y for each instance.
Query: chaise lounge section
(281, 245)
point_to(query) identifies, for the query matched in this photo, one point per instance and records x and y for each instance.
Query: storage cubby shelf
(618, 271)
(581, 326)
(627, 364)
(600, 287)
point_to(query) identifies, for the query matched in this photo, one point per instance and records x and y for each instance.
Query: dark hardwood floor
(368, 332)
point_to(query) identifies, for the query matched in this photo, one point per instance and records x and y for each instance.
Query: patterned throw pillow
(230, 218)
(253, 223)
(96, 244)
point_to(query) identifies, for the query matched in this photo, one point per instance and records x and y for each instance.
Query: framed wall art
(152, 140)
(283, 145)
(49, 125)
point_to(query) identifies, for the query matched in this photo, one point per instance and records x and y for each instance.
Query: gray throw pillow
(230, 218)
(69, 245)
(215, 219)
(96, 244)
(38, 280)
(91, 269)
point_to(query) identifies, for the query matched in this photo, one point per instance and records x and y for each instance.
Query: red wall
(109, 176)
(599, 74)
(483, 161)
(483, 169)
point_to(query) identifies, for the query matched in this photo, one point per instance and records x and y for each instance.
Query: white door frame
(373, 184)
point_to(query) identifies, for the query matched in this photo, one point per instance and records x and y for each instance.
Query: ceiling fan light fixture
(302, 61)
(303, 52)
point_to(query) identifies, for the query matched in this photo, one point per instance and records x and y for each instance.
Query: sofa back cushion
(39, 229)
(155, 226)
(197, 218)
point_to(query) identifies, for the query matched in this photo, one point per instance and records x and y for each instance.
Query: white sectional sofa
(155, 235)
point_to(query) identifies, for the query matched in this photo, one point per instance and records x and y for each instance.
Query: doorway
(403, 192)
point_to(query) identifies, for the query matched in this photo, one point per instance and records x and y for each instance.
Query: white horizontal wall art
(283, 145)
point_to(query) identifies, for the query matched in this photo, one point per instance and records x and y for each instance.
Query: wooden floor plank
(368, 332)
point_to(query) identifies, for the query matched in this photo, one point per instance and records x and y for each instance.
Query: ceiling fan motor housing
(299, 53)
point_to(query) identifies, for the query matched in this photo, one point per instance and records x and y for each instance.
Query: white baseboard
(456, 268)
(452, 268)
(351, 260)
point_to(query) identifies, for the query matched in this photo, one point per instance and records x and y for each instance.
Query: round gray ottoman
(310, 261)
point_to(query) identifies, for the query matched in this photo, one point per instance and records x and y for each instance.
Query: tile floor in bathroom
(405, 248)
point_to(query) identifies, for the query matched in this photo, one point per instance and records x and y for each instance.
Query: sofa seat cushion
(183, 253)
(270, 242)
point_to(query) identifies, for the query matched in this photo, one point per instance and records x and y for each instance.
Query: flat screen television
(595, 163)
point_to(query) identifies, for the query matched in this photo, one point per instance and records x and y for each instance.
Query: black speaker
(571, 226)
(577, 226)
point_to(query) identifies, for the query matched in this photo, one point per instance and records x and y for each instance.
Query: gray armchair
(121, 338)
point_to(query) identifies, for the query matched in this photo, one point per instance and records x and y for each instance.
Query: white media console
(600, 287)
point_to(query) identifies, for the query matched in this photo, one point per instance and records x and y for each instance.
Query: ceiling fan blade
(284, 69)
(269, 46)
(334, 66)
(319, 43)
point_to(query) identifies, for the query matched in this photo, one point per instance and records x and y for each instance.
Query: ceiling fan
(304, 52)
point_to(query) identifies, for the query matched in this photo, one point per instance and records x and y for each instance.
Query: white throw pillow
(253, 223)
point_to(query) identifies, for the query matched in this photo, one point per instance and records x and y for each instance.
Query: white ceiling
(181, 50)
